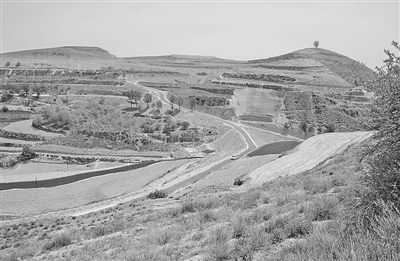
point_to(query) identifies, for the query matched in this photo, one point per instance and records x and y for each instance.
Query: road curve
(309, 154)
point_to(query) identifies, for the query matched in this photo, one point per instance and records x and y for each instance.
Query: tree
(316, 44)
(180, 101)
(185, 125)
(18, 64)
(135, 95)
(383, 155)
(38, 91)
(330, 128)
(172, 100)
(27, 153)
(147, 98)
(6, 95)
(159, 104)
(304, 127)
(192, 103)
(7, 64)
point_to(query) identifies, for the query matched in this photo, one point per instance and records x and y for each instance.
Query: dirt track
(309, 154)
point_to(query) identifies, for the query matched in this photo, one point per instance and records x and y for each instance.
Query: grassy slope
(293, 218)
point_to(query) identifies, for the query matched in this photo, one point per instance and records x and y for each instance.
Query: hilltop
(64, 52)
(352, 71)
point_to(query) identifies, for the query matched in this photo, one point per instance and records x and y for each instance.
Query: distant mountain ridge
(74, 52)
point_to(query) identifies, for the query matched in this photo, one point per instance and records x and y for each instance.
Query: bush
(185, 125)
(27, 153)
(238, 182)
(330, 128)
(7, 64)
(298, 227)
(18, 64)
(194, 206)
(4, 108)
(59, 241)
(157, 194)
(323, 208)
(37, 120)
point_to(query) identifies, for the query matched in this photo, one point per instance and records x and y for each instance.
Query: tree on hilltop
(316, 44)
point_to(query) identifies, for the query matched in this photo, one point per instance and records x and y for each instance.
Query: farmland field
(257, 104)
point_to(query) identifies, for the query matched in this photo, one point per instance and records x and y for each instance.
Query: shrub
(7, 64)
(27, 153)
(157, 194)
(299, 227)
(330, 128)
(382, 157)
(238, 182)
(193, 206)
(168, 118)
(37, 120)
(323, 208)
(185, 125)
(4, 108)
(18, 64)
(59, 241)
(218, 248)
(206, 216)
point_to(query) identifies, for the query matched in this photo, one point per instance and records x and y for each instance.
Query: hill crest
(66, 52)
(347, 68)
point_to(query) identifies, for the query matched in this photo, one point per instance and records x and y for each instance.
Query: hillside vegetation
(345, 208)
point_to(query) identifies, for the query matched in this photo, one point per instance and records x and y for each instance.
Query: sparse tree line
(8, 64)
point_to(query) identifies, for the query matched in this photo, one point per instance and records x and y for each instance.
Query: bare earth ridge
(309, 154)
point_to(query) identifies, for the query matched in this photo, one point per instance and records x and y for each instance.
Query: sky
(239, 30)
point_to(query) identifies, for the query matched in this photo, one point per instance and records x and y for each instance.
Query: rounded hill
(64, 52)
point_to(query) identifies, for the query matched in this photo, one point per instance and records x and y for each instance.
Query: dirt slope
(309, 154)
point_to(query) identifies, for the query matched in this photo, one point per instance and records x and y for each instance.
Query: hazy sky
(234, 30)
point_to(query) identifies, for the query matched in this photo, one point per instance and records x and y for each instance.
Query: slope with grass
(302, 217)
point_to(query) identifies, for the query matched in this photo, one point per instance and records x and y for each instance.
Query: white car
(233, 157)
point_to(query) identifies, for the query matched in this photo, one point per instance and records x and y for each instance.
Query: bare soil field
(257, 102)
(26, 127)
(41, 200)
